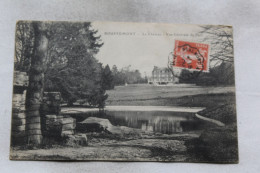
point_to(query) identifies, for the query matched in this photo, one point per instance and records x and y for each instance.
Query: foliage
(23, 46)
(126, 75)
(107, 78)
(216, 76)
(72, 68)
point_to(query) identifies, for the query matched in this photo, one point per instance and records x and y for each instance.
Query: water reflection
(163, 122)
(154, 121)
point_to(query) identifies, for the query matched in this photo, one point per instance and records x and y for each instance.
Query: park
(68, 105)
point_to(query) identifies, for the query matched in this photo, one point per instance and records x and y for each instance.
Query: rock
(68, 126)
(18, 138)
(18, 121)
(59, 126)
(51, 126)
(21, 79)
(19, 115)
(51, 103)
(20, 84)
(69, 121)
(54, 117)
(94, 124)
(79, 139)
(65, 133)
(50, 120)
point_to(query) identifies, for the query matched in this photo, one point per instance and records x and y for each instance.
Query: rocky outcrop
(18, 108)
(62, 129)
(51, 103)
(78, 139)
(58, 125)
(94, 124)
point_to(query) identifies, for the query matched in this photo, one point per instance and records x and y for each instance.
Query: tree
(221, 42)
(98, 95)
(72, 67)
(36, 83)
(222, 52)
(126, 75)
(118, 76)
(114, 70)
(23, 46)
(107, 78)
(58, 56)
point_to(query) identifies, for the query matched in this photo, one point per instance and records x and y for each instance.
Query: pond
(165, 122)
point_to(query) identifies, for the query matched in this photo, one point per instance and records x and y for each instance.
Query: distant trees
(126, 75)
(107, 78)
(214, 77)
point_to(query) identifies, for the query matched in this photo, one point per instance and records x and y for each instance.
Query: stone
(53, 117)
(75, 140)
(21, 79)
(51, 126)
(20, 84)
(65, 133)
(60, 126)
(18, 115)
(68, 126)
(18, 121)
(94, 124)
(51, 103)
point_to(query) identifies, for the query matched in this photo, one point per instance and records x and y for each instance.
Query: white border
(242, 15)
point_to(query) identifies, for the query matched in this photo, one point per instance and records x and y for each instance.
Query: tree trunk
(36, 83)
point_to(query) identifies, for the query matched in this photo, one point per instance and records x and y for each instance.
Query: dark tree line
(216, 76)
(114, 77)
(127, 76)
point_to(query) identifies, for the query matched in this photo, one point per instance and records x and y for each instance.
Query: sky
(141, 45)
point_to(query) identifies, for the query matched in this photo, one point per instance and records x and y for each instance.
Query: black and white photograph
(118, 91)
(122, 86)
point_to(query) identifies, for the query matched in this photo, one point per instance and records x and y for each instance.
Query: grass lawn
(177, 95)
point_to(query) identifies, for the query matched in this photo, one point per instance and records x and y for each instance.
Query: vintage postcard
(113, 91)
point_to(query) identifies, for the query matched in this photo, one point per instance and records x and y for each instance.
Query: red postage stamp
(191, 55)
